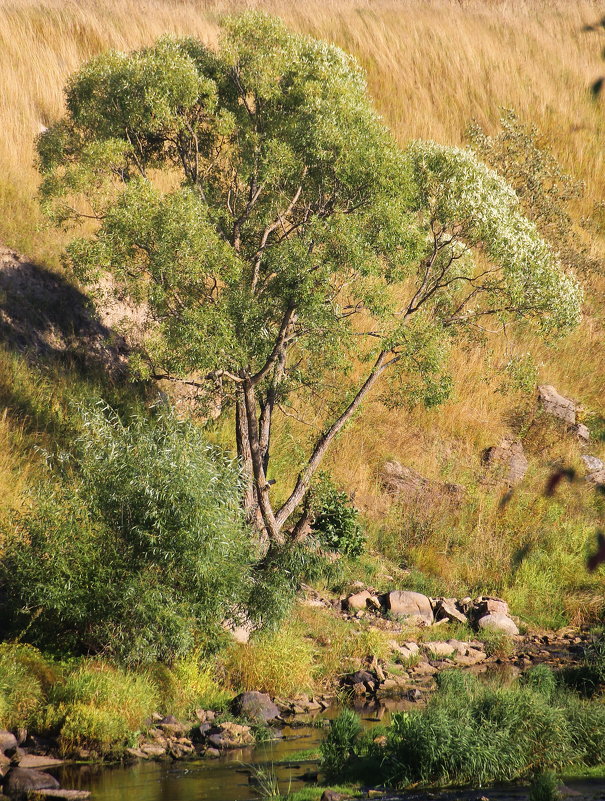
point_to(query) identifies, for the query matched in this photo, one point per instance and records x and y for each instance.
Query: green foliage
(289, 214)
(546, 191)
(139, 552)
(544, 787)
(339, 746)
(472, 732)
(24, 676)
(336, 523)
(100, 707)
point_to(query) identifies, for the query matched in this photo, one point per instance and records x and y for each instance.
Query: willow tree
(252, 198)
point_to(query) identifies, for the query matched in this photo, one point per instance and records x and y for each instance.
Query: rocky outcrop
(498, 622)
(413, 606)
(507, 461)
(402, 481)
(361, 600)
(20, 782)
(562, 408)
(254, 706)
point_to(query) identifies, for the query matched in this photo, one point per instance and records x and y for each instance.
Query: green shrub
(100, 707)
(140, 549)
(339, 747)
(24, 678)
(477, 733)
(544, 787)
(336, 523)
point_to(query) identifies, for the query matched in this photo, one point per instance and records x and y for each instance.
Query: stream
(231, 777)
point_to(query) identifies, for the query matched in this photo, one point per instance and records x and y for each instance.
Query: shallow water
(228, 778)
(231, 777)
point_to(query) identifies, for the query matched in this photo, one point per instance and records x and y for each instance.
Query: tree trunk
(250, 501)
(260, 480)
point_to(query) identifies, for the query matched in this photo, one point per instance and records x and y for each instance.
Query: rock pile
(418, 609)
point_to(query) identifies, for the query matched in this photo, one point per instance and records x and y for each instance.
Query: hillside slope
(432, 68)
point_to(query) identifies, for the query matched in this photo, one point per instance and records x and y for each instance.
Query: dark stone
(19, 782)
(254, 706)
(8, 741)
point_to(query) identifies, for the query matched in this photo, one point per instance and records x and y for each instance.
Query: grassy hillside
(433, 66)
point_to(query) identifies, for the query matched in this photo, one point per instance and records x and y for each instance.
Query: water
(229, 778)
(232, 776)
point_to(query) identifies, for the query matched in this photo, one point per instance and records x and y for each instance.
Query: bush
(138, 552)
(278, 663)
(336, 523)
(477, 733)
(100, 707)
(24, 678)
(544, 787)
(339, 746)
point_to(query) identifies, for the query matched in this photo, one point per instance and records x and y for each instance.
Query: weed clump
(477, 733)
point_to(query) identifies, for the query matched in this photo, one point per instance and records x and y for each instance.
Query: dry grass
(433, 65)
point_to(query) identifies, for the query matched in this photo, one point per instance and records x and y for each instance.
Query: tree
(253, 199)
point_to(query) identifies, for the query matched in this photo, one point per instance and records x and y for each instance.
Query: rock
(361, 600)
(213, 753)
(5, 764)
(255, 706)
(230, 735)
(445, 609)
(592, 463)
(498, 623)
(439, 648)
(473, 656)
(581, 431)
(414, 694)
(398, 479)
(66, 795)
(332, 795)
(36, 761)
(557, 405)
(404, 603)
(8, 741)
(19, 782)
(153, 749)
(597, 478)
(509, 458)
(484, 605)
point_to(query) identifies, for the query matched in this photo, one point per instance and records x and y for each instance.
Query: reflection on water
(224, 779)
(229, 778)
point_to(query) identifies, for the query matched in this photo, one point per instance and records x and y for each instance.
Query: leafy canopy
(252, 198)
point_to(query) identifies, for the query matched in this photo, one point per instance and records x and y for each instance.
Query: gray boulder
(20, 782)
(557, 405)
(8, 741)
(498, 622)
(254, 706)
(408, 604)
(508, 459)
(397, 479)
(592, 463)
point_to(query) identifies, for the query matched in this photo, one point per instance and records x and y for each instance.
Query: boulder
(439, 648)
(361, 600)
(557, 405)
(597, 479)
(20, 782)
(498, 623)
(153, 749)
(398, 479)
(508, 458)
(592, 464)
(230, 735)
(8, 741)
(332, 795)
(446, 609)
(362, 682)
(485, 605)
(411, 605)
(254, 706)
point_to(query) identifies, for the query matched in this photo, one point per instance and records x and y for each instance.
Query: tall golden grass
(432, 66)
